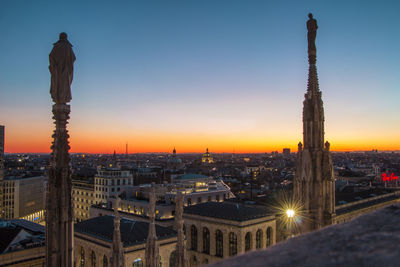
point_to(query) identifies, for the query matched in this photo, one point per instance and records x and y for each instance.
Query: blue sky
(192, 74)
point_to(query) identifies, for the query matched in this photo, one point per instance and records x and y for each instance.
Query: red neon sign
(389, 178)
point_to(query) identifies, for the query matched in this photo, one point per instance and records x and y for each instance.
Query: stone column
(59, 212)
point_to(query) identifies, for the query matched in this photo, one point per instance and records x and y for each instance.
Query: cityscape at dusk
(196, 74)
(219, 133)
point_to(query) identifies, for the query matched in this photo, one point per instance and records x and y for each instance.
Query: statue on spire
(311, 35)
(61, 67)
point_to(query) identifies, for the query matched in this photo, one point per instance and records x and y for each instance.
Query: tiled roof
(132, 232)
(229, 211)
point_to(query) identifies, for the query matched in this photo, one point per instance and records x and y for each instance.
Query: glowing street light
(290, 213)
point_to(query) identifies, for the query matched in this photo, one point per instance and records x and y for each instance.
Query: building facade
(111, 182)
(24, 198)
(216, 231)
(83, 197)
(94, 239)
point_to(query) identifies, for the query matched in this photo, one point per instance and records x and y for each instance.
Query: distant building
(218, 230)
(24, 198)
(195, 187)
(22, 243)
(94, 239)
(83, 196)
(207, 158)
(286, 152)
(174, 163)
(111, 182)
(1, 169)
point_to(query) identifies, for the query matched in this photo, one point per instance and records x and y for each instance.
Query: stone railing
(369, 240)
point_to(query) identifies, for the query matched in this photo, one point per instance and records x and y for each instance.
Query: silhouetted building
(1, 169)
(286, 152)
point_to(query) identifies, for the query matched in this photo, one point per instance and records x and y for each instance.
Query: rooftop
(132, 232)
(368, 240)
(229, 211)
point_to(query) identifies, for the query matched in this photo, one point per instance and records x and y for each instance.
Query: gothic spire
(152, 247)
(117, 253)
(181, 260)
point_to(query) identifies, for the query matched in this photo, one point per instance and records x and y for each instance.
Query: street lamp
(290, 213)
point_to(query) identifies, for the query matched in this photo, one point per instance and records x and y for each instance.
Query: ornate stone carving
(152, 247)
(314, 179)
(59, 212)
(117, 251)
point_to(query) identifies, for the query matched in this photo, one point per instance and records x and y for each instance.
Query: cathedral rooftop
(132, 232)
(369, 240)
(229, 211)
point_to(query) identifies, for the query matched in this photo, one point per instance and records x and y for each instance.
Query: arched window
(172, 259)
(137, 263)
(269, 236)
(247, 241)
(259, 236)
(92, 259)
(193, 261)
(105, 261)
(232, 244)
(193, 237)
(82, 257)
(206, 240)
(219, 244)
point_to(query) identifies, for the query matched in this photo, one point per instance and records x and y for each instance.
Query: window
(92, 259)
(259, 235)
(172, 259)
(206, 240)
(105, 261)
(232, 244)
(118, 182)
(137, 263)
(193, 237)
(82, 257)
(269, 236)
(247, 241)
(219, 244)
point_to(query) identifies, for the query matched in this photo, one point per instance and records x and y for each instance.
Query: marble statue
(61, 68)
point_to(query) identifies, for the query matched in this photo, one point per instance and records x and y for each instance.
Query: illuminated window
(137, 263)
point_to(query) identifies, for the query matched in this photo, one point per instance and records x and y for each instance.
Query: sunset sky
(228, 75)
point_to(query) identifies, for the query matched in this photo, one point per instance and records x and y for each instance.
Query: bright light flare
(290, 213)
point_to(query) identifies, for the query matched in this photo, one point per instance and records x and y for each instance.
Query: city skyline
(227, 75)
